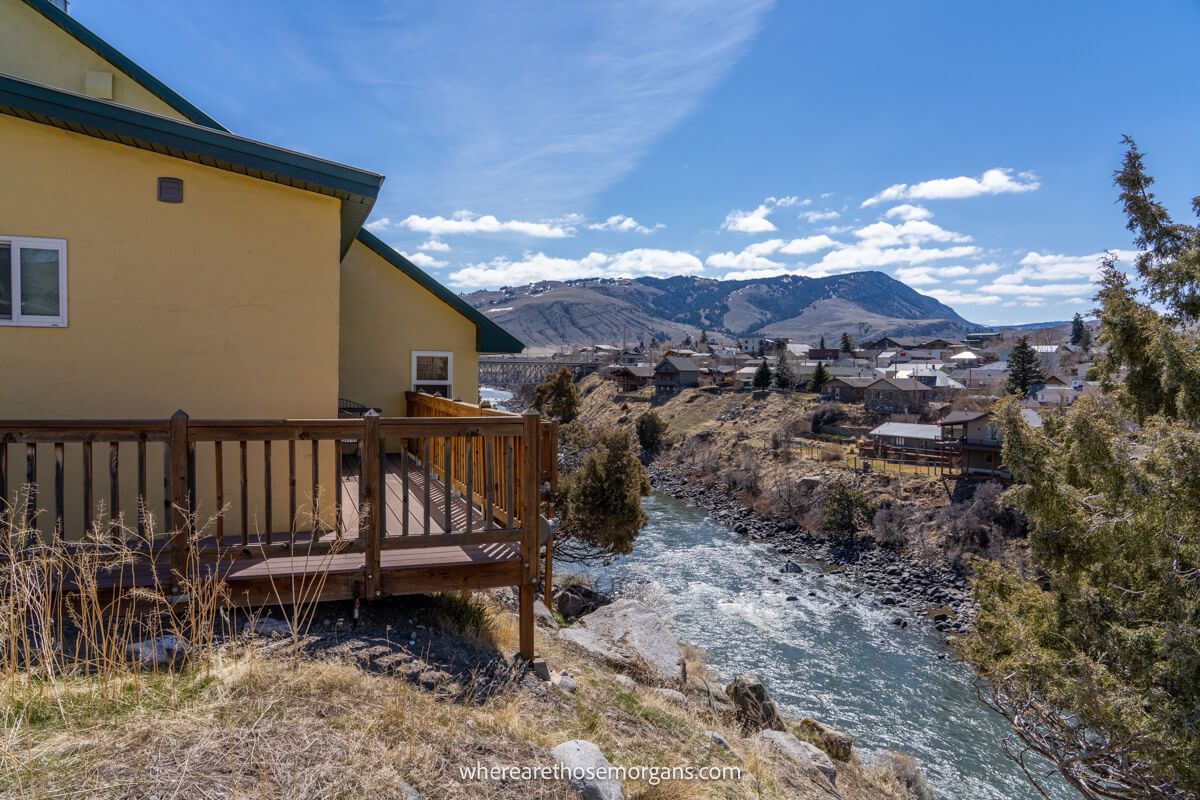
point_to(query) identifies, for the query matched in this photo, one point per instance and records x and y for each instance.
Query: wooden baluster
(470, 484)
(59, 469)
(489, 508)
(245, 492)
(316, 486)
(219, 481)
(404, 489)
(114, 485)
(337, 488)
(167, 515)
(4, 501)
(426, 477)
(267, 488)
(87, 487)
(372, 482)
(292, 489)
(31, 482)
(447, 483)
(510, 484)
(141, 489)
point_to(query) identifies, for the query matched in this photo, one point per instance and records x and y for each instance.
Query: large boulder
(834, 742)
(753, 707)
(808, 756)
(586, 767)
(630, 634)
(575, 600)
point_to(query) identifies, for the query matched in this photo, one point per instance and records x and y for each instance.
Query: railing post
(372, 481)
(177, 451)
(530, 520)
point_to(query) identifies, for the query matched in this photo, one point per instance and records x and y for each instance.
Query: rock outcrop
(753, 707)
(585, 766)
(630, 634)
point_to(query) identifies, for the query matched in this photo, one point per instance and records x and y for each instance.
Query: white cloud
(809, 244)
(466, 222)
(424, 260)
(994, 181)
(908, 232)
(754, 256)
(869, 255)
(929, 275)
(378, 225)
(624, 224)
(434, 245)
(756, 221)
(906, 212)
(820, 216)
(1054, 266)
(532, 268)
(952, 297)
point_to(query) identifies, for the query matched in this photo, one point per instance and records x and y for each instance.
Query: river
(828, 654)
(831, 655)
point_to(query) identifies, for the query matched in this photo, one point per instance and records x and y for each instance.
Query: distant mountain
(605, 310)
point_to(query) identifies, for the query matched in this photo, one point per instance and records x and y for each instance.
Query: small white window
(33, 281)
(433, 372)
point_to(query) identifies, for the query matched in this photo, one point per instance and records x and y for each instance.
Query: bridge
(507, 371)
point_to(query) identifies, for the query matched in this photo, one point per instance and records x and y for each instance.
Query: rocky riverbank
(935, 591)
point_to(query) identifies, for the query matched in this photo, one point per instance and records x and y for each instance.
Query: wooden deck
(458, 507)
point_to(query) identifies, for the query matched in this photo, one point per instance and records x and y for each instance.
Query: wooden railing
(222, 484)
(427, 405)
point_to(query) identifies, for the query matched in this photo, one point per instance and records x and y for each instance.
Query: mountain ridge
(599, 310)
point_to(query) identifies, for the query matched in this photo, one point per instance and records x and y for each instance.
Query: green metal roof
(489, 337)
(357, 189)
(118, 59)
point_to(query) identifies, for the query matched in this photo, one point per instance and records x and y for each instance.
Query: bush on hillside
(558, 396)
(650, 431)
(601, 502)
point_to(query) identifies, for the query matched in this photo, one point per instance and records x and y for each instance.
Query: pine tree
(1077, 329)
(558, 395)
(847, 344)
(785, 376)
(1091, 653)
(762, 376)
(819, 378)
(1024, 369)
(1085, 341)
(822, 345)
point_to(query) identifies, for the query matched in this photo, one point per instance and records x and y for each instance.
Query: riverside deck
(448, 499)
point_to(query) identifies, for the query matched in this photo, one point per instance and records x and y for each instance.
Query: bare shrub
(744, 475)
(905, 771)
(889, 526)
(974, 525)
(826, 414)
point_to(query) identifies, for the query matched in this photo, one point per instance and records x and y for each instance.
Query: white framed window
(433, 372)
(33, 281)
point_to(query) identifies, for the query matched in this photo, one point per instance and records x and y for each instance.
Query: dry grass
(237, 719)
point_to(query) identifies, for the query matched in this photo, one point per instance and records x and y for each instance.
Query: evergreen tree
(1092, 653)
(785, 376)
(1085, 341)
(601, 502)
(847, 344)
(819, 377)
(558, 395)
(1077, 329)
(704, 337)
(1024, 369)
(762, 375)
(822, 345)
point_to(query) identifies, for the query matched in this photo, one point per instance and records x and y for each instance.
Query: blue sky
(966, 148)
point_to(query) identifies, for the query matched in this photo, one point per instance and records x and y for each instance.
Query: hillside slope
(554, 313)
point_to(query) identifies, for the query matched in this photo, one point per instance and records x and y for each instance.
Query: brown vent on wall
(170, 190)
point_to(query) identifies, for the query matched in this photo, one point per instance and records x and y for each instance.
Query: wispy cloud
(755, 221)
(434, 245)
(995, 181)
(815, 217)
(755, 256)
(906, 212)
(624, 224)
(534, 267)
(540, 107)
(466, 222)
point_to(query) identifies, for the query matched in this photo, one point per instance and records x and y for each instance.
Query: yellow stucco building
(151, 260)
